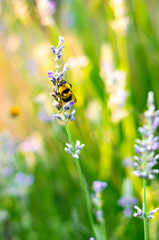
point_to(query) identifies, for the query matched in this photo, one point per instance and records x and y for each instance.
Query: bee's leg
(60, 104)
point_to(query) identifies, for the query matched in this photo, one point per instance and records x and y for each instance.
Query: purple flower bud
(55, 104)
(65, 115)
(61, 39)
(64, 71)
(69, 148)
(58, 117)
(53, 50)
(137, 149)
(141, 130)
(58, 78)
(79, 146)
(51, 75)
(65, 67)
(71, 119)
(156, 146)
(59, 56)
(139, 213)
(60, 49)
(153, 211)
(68, 106)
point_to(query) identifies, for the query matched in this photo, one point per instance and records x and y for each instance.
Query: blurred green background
(103, 39)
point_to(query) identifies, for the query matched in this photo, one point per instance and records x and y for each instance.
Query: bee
(63, 93)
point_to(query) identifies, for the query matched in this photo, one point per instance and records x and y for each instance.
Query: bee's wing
(74, 99)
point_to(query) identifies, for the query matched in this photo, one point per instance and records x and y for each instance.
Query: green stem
(102, 222)
(69, 136)
(82, 181)
(145, 211)
(104, 233)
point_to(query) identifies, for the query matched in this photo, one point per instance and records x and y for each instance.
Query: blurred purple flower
(7, 171)
(156, 146)
(52, 7)
(128, 162)
(24, 179)
(99, 186)
(68, 19)
(126, 201)
(30, 145)
(99, 215)
(44, 117)
(128, 212)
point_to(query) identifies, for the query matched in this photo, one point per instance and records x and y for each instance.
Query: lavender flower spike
(58, 50)
(148, 144)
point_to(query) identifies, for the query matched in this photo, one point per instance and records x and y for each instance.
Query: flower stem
(104, 233)
(82, 181)
(69, 136)
(145, 211)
